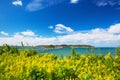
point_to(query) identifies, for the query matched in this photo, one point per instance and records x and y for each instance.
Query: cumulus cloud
(28, 33)
(35, 5)
(27, 40)
(96, 37)
(60, 28)
(114, 28)
(74, 1)
(17, 3)
(4, 33)
(18, 35)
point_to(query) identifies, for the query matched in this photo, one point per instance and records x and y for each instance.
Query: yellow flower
(116, 57)
(108, 56)
(109, 77)
(83, 56)
(6, 69)
(80, 76)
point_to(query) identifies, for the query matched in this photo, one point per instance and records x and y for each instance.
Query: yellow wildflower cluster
(51, 67)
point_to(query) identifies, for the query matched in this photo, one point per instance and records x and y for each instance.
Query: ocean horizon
(68, 52)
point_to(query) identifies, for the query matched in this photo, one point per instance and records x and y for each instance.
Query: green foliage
(118, 51)
(14, 50)
(31, 52)
(75, 55)
(23, 47)
(73, 51)
(8, 49)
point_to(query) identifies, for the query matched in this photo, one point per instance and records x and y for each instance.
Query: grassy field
(30, 65)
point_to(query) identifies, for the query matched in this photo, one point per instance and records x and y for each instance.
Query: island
(65, 46)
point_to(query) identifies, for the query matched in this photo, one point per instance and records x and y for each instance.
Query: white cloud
(95, 37)
(4, 33)
(51, 27)
(114, 28)
(74, 1)
(103, 3)
(28, 33)
(29, 40)
(98, 31)
(35, 5)
(60, 28)
(17, 3)
(18, 35)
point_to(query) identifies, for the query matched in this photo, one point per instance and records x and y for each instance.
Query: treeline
(65, 46)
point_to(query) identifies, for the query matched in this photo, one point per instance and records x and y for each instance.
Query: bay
(67, 51)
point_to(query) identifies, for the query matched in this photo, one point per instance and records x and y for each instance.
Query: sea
(68, 51)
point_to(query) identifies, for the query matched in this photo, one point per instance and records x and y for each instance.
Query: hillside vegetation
(65, 46)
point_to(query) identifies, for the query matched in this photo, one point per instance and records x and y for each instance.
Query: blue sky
(38, 22)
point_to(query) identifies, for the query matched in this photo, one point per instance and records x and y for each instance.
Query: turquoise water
(67, 51)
